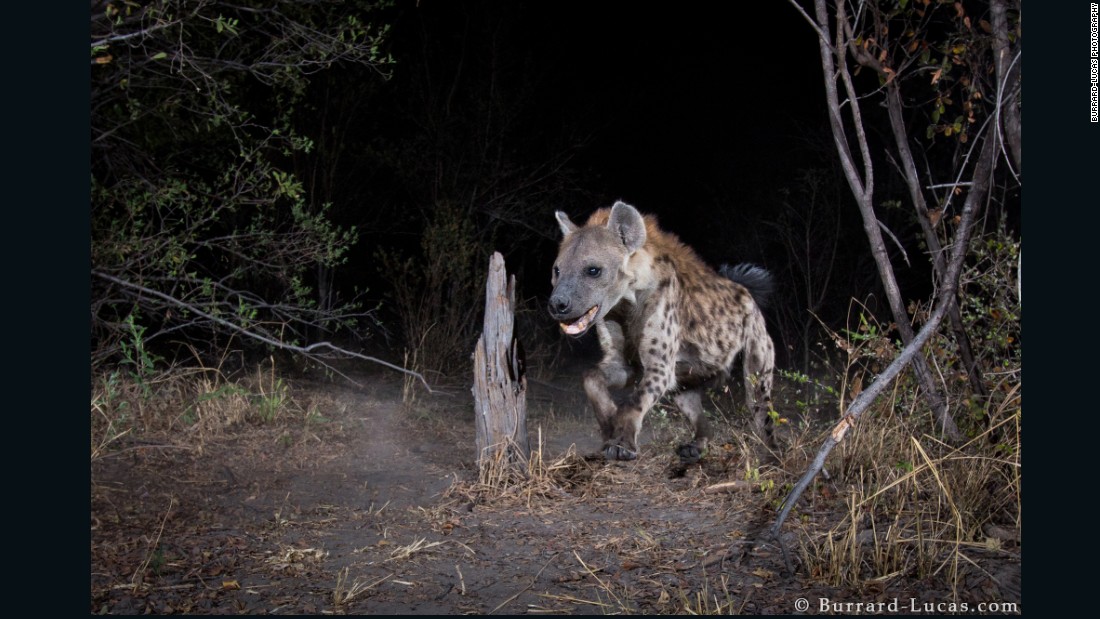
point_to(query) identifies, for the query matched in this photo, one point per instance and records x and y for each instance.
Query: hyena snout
(574, 316)
(561, 306)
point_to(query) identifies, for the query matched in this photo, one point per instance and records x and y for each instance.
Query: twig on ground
(139, 574)
(520, 592)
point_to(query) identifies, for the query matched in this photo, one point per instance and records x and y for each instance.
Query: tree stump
(500, 388)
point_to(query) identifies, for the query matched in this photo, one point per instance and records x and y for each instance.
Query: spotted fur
(663, 317)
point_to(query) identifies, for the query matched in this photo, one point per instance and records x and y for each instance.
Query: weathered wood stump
(500, 388)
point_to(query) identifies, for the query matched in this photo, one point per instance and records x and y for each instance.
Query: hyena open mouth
(581, 324)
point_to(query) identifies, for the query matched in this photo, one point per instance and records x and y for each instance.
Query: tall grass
(915, 506)
(185, 405)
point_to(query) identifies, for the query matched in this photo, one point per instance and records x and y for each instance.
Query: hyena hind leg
(759, 364)
(690, 404)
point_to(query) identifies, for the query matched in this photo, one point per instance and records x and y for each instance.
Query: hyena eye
(557, 271)
(593, 271)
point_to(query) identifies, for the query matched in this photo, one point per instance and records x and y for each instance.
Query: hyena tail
(757, 279)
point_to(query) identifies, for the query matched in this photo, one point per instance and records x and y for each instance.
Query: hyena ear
(567, 226)
(627, 223)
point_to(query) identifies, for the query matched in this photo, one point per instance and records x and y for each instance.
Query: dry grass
(900, 509)
(706, 601)
(506, 477)
(901, 504)
(344, 593)
(138, 578)
(186, 406)
(420, 545)
(701, 594)
(914, 506)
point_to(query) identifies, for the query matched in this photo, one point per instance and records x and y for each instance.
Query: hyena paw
(689, 453)
(618, 451)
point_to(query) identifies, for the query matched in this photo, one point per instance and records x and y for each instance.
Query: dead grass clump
(345, 592)
(915, 507)
(185, 405)
(708, 601)
(419, 545)
(901, 504)
(504, 478)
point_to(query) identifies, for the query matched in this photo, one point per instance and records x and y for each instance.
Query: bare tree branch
(908, 169)
(1008, 82)
(983, 172)
(834, 67)
(309, 350)
(897, 243)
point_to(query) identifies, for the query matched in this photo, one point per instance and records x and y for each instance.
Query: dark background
(495, 114)
(695, 115)
(706, 115)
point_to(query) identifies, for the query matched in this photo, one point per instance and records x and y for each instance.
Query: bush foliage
(199, 231)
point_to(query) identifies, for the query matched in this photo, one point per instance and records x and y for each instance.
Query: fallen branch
(521, 591)
(739, 485)
(139, 574)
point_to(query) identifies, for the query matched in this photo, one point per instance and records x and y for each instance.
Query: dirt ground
(376, 509)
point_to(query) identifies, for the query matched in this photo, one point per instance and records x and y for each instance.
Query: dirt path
(374, 510)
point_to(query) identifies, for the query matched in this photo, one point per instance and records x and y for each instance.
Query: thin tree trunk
(912, 180)
(863, 189)
(983, 171)
(500, 387)
(1008, 69)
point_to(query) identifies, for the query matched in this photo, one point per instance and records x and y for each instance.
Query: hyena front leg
(658, 376)
(627, 423)
(613, 371)
(690, 403)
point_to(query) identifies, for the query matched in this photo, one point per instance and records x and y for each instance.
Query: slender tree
(915, 47)
(915, 44)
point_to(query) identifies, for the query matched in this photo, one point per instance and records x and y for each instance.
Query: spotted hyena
(658, 308)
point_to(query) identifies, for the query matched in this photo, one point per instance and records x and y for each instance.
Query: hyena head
(594, 271)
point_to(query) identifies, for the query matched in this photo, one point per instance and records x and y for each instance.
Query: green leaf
(160, 56)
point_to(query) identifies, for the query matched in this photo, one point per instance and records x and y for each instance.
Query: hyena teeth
(581, 324)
